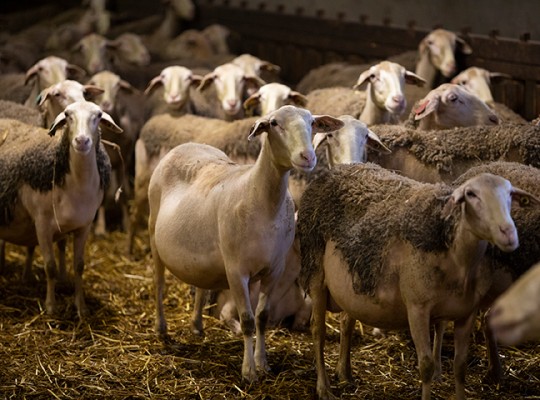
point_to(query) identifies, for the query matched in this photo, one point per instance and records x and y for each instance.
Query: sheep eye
(99, 115)
(452, 97)
(273, 122)
(463, 82)
(524, 201)
(470, 193)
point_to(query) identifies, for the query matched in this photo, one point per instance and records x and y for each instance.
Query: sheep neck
(268, 179)
(467, 251)
(426, 70)
(373, 114)
(83, 169)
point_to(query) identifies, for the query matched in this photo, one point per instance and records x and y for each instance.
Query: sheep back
(336, 101)
(28, 155)
(362, 208)
(12, 110)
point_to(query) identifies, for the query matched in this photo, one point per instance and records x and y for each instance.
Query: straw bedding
(115, 354)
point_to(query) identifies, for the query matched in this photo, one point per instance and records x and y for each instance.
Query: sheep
(217, 35)
(271, 96)
(450, 105)
(229, 81)
(126, 105)
(47, 72)
(198, 186)
(254, 66)
(437, 55)
(477, 81)
(190, 44)
(54, 99)
(396, 253)
(443, 155)
(52, 187)
(514, 318)
(507, 267)
(92, 49)
(382, 102)
(176, 81)
(336, 74)
(13, 88)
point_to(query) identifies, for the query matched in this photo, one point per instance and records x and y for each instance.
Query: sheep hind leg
(159, 286)
(79, 241)
(343, 368)
(27, 276)
(196, 317)
(462, 337)
(494, 374)
(437, 348)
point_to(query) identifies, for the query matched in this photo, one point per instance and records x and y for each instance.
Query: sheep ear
(108, 122)
(298, 98)
(43, 96)
(254, 80)
(375, 143)
(413, 79)
(319, 139)
(252, 102)
(127, 86)
(523, 199)
(363, 78)
(92, 91)
(498, 76)
(260, 126)
(268, 66)
(326, 123)
(196, 79)
(206, 81)
(465, 48)
(31, 73)
(426, 107)
(59, 122)
(76, 70)
(153, 85)
(455, 199)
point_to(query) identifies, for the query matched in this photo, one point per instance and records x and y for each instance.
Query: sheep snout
(508, 237)
(82, 144)
(307, 160)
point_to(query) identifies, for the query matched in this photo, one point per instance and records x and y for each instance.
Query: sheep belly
(383, 310)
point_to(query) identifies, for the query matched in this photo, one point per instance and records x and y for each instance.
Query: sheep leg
(462, 337)
(100, 228)
(319, 296)
(159, 284)
(45, 242)
(494, 374)
(62, 272)
(261, 320)
(437, 348)
(343, 368)
(419, 326)
(79, 242)
(196, 317)
(27, 276)
(239, 286)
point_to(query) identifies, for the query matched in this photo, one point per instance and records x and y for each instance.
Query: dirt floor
(115, 353)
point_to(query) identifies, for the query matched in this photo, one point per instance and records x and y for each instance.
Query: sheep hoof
(325, 394)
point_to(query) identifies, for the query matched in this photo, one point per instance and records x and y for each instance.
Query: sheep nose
(398, 99)
(106, 106)
(309, 156)
(232, 103)
(82, 140)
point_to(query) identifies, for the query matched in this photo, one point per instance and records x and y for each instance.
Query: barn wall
(299, 37)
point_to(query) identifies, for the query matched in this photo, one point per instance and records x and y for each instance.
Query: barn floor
(115, 353)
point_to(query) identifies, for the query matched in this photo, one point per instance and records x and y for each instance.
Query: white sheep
(272, 96)
(382, 102)
(47, 72)
(176, 82)
(232, 224)
(53, 186)
(437, 54)
(477, 81)
(230, 82)
(451, 105)
(395, 253)
(254, 66)
(54, 99)
(217, 35)
(514, 317)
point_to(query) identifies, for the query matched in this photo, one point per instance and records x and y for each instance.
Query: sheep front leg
(462, 337)
(318, 293)
(79, 241)
(419, 326)
(239, 286)
(261, 320)
(494, 374)
(27, 276)
(343, 368)
(44, 236)
(437, 348)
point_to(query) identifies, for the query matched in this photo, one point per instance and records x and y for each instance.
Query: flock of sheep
(365, 189)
